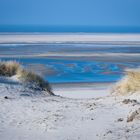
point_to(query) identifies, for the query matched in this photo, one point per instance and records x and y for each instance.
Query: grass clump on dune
(34, 80)
(130, 83)
(11, 68)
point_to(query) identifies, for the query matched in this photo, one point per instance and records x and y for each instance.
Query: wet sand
(83, 90)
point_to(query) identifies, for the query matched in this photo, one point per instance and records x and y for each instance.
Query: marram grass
(129, 84)
(11, 68)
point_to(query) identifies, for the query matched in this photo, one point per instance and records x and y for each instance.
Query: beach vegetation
(130, 83)
(33, 80)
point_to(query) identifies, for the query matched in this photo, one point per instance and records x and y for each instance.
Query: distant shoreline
(77, 38)
(110, 57)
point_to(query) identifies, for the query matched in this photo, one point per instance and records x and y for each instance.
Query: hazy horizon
(69, 29)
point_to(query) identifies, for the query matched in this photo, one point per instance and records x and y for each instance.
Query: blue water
(68, 29)
(37, 48)
(63, 69)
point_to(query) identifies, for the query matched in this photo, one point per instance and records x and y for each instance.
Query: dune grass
(130, 83)
(11, 68)
(34, 80)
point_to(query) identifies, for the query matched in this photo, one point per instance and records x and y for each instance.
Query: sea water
(74, 62)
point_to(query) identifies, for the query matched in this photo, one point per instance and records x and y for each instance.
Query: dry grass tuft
(34, 80)
(11, 68)
(129, 84)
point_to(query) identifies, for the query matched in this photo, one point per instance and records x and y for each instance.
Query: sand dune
(29, 114)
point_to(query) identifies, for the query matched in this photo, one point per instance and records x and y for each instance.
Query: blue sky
(70, 12)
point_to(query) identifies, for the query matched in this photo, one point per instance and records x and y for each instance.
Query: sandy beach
(69, 70)
(48, 38)
(82, 90)
(33, 115)
(78, 110)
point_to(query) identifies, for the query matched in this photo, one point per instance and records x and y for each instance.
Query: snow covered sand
(26, 114)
